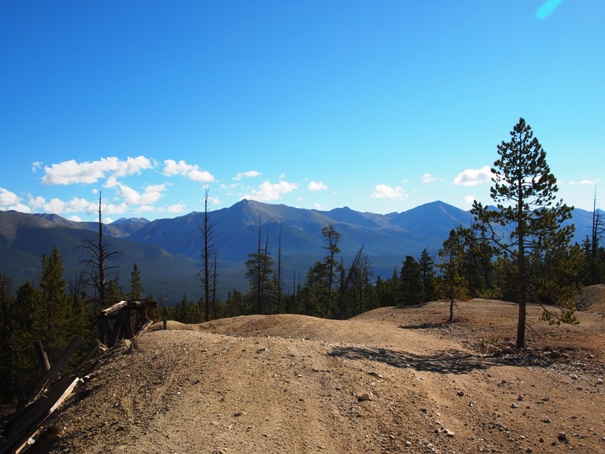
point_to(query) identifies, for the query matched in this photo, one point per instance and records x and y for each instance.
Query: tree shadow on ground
(444, 362)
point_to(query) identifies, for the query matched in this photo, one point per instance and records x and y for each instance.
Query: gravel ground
(391, 380)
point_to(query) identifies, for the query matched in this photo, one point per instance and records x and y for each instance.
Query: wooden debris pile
(24, 432)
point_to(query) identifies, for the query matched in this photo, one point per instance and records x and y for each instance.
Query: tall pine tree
(527, 224)
(427, 270)
(136, 286)
(52, 314)
(453, 282)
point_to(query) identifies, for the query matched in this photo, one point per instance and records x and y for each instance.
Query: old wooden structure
(125, 319)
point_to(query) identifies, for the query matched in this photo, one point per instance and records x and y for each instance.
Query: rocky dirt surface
(391, 380)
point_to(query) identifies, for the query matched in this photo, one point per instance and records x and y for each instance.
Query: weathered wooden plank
(27, 422)
(105, 330)
(45, 441)
(64, 395)
(117, 328)
(131, 304)
(127, 330)
(42, 357)
(114, 309)
(102, 347)
(52, 373)
(145, 327)
(142, 304)
(139, 319)
(84, 365)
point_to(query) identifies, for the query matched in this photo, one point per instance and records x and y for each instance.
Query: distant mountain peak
(131, 220)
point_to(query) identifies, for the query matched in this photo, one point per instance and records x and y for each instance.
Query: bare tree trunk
(521, 270)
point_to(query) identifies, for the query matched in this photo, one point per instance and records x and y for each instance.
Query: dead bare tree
(209, 272)
(97, 270)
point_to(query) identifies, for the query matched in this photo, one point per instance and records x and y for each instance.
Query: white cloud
(317, 186)
(469, 199)
(214, 201)
(72, 172)
(21, 208)
(248, 174)
(473, 177)
(318, 206)
(383, 191)
(193, 172)
(590, 182)
(37, 202)
(111, 208)
(8, 198)
(151, 195)
(59, 206)
(77, 218)
(177, 208)
(428, 178)
(268, 191)
(76, 205)
(148, 209)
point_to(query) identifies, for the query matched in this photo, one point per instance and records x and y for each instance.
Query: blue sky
(376, 105)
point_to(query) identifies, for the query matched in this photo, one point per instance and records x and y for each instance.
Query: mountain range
(167, 251)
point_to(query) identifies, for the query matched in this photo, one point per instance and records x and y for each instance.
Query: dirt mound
(391, 380)
(592, 299)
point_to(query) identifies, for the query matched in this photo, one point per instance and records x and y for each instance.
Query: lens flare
(547, 8)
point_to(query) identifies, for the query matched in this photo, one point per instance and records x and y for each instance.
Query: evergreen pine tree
(136, 287)
(427, 270)
(453, 282)
(524, 191)
(52, 314)
(412, 288)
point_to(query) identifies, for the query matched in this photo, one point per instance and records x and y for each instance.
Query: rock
(449, 433)
(365, 397)
(460, 393)
(562, 436)
(514, 405)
